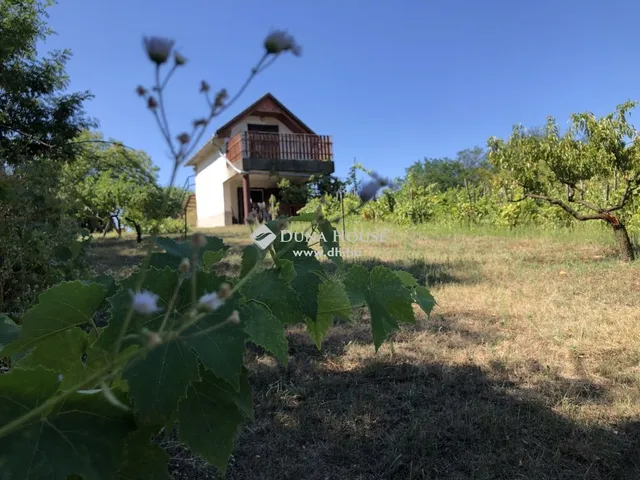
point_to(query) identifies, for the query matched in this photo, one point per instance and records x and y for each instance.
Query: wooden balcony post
(246, 197)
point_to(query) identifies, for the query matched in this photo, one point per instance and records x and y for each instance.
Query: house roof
(269, 105)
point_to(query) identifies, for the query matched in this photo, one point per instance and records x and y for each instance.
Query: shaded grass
(529, 367)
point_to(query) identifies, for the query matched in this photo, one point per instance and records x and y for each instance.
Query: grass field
(529, 368)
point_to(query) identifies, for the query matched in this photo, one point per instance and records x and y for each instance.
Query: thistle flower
(145, 302)
(158, 49)
(211, 301)
(280, 41)
(179, 59)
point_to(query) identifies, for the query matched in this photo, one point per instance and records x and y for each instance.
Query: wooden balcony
(283, 152)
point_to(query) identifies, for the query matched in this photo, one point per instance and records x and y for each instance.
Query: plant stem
(172, 302)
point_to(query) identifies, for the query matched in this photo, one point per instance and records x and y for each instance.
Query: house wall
(211, 174)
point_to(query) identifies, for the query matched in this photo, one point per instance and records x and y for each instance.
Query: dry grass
(529, 368)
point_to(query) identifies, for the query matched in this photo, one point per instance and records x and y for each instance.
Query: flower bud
(153, 339)
(204, 87)
(224, 291)
(179, 59)
(141, 91)
(152, 103)
(198, 240)
(221, 97)
(185, 266)
(183, 138)
(280, 41)
(234, 318)
(200, 122)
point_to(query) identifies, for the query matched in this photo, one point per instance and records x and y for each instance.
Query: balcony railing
(279, 146)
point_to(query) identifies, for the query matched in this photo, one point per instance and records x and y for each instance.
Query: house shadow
(383, 420)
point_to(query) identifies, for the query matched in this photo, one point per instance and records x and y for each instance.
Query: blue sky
(392, 82)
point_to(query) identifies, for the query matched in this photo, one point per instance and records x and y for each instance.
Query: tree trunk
(623, 241)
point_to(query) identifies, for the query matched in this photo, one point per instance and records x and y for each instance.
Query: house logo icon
(263, 237)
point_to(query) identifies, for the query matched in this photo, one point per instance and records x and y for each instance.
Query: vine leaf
(161, 282)
(220, 349)
(157, 382)
(210, 415)
(388, 300)
(308, 270)
(265, 330)
(59, 309)
(64, 442)
(210, 258)
(332, 300)
(250, 256)
(142, 460)
(174, 251)
(329, 242)
(420, 295)
(267, 287)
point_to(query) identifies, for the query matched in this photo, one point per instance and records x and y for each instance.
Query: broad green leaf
(268, 288)
(211, 258)
(60, 308)
(159, 380)
(84, 435)
(332, 300)
(176, 251)
(108, 283)
(406, 278)
(9, 331)
(250, 256)
(142, 460)
(160, 282)
(385, 295)
(329, 241)
(303, 217)
(210, 416)
(287, 270)
(265, 330)
(308, 275)
(424, 299)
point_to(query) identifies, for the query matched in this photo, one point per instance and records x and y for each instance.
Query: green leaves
(265, 329)
(210, 416)
(84, 435)
(389, 301)
(176, 251)
(332, 301)
(59, 309)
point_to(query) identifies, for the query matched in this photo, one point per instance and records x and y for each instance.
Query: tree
(111, 183)
(591, 171)
(38, 123)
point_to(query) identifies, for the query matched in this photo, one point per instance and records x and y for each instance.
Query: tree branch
(567, 208)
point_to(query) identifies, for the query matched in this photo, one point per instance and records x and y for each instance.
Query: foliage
(590, 171)
(316, 186)
(109, 181)
(89, 396)
(38, 125)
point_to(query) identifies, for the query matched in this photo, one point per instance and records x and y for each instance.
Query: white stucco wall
(211, 174)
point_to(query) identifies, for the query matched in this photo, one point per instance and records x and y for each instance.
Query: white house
(236, 167)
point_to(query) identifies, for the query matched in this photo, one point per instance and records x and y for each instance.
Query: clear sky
(392, 82)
